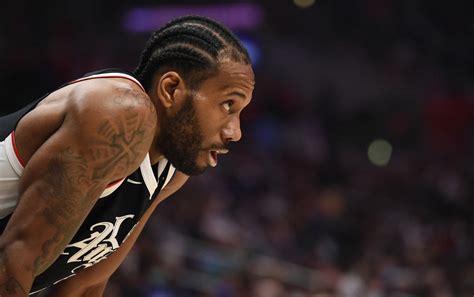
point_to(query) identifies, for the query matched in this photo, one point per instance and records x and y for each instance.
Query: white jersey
(10, 172)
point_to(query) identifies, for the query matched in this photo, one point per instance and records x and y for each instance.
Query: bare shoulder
(116, 95)
(111, 117)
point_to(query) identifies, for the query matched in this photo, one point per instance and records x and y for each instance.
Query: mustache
(216, 147)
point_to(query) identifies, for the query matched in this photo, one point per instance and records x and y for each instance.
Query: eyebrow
(236, 93)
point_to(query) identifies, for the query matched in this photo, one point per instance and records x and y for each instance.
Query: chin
(192, 170)
(190, 166)
(196, 172)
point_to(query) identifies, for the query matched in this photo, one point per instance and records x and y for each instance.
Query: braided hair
(193, 46)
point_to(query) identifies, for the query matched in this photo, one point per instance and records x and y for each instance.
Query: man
(77, 167)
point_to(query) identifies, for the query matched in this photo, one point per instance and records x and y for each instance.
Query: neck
(155, 155)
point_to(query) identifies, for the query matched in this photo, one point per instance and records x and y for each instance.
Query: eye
(228, 104)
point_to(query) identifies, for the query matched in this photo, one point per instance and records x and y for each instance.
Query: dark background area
(298, 208)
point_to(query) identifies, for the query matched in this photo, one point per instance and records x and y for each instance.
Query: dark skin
(87, 135)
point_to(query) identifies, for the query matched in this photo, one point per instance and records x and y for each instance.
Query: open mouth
(213, 156)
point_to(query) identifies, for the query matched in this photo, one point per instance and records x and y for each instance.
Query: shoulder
(111, 103)
(111, 117)
(116, 95)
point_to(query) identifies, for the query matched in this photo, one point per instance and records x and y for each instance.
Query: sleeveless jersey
(112, 218)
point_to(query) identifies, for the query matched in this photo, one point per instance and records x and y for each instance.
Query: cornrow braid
(193, 46)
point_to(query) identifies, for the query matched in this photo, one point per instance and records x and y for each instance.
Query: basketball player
(83, 168)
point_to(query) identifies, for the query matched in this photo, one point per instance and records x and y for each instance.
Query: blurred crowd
(297, 209)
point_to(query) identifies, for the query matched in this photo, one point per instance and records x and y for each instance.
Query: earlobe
(169, 87)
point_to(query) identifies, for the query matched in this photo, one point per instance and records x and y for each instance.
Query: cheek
(212, 122)
(210, 131)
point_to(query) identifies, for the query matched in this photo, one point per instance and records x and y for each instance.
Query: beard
(180, 139)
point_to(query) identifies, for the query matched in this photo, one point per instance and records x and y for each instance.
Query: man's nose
(232, 131)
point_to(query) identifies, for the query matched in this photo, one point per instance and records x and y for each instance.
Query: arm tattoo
(12, 287)
(122, 145)
(63, 194)
(75, 176)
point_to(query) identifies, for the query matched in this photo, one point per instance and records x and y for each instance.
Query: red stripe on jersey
(114, 183)
(15, 149)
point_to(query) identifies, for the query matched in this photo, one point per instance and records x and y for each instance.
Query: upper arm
(103, 137)
(96, 276)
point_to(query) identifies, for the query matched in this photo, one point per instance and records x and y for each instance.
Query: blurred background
(355, 175)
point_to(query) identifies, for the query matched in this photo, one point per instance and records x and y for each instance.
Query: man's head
(201, 78)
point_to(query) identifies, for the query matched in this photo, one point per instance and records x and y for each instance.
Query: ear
(170, 89)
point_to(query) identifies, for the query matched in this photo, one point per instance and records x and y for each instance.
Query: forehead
(231, 75)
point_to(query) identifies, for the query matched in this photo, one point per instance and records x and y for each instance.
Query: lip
(212, 156)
